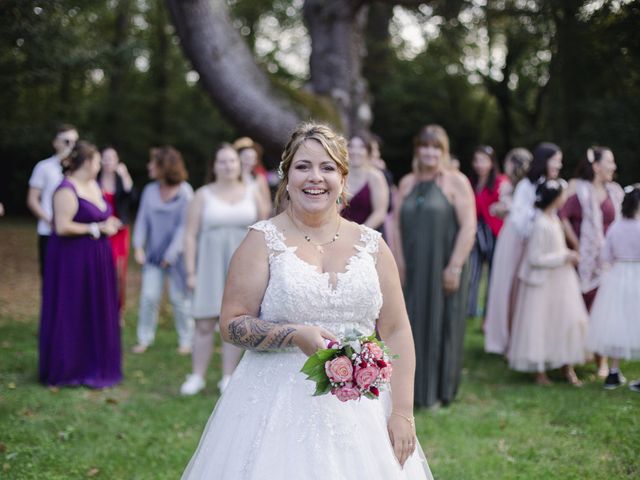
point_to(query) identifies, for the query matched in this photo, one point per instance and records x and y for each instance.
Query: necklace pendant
(320, 248)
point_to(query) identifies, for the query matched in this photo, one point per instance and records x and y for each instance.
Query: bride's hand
(403, 437)
(310, 338)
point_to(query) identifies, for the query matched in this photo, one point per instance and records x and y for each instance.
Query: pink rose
(346, 393)
(374, 350)
(339, 369)
(385, 373)
(364, 377)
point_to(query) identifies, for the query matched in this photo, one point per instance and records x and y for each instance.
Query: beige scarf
(592, 231)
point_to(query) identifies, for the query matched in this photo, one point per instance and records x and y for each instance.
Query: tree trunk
(118, 70)
(229, 74)
(245, 94)
(158, 69)
(336, 28)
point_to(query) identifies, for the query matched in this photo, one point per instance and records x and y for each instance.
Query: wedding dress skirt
(268, 425)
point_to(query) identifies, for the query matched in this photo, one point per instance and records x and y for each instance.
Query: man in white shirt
(46, 176)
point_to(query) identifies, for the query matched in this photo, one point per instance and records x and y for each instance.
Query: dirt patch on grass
(20, 282)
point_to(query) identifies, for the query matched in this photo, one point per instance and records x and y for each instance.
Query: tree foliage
(503, 72)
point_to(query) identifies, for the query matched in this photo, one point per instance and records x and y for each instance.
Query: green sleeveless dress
(429, 227)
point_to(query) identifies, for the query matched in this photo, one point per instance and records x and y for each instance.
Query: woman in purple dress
(79, 328)
(366, 186)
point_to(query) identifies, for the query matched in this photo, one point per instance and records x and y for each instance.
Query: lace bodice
(298, 293)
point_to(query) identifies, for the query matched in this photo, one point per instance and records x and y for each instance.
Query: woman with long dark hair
(117, 189)
(487, 182)
(586, 217)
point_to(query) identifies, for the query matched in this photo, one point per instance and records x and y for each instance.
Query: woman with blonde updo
(298, 280)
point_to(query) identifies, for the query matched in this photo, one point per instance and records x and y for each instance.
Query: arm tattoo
(255, 334)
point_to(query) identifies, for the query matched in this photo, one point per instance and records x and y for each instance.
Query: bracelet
(411, 420)
(94, 230)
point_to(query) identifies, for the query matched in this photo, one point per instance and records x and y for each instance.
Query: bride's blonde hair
(333, 143)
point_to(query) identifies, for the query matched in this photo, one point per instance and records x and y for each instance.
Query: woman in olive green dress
(436, 220)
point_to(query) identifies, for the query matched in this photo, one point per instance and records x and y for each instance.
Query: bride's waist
(340, 328)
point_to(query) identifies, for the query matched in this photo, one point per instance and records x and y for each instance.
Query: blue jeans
(150, 295)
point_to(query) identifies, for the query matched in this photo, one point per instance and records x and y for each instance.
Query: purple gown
(79, 326)
(360, 206)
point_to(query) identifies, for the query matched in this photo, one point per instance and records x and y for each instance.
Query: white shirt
(523, 211)
(46, 176)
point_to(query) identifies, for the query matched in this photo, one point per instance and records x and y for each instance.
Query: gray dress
(429, 227)
(223, 226)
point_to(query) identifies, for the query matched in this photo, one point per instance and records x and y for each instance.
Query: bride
(298, 280)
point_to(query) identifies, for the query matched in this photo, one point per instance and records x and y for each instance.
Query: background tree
(506, 73)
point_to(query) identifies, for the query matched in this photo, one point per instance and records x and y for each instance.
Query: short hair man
(45, 178)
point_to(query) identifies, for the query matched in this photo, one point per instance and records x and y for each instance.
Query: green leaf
(323, 387)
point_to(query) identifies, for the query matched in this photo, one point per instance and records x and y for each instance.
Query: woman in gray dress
(217, 222)
(436, 225)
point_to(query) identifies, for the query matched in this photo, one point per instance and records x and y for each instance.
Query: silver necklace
(319, 246)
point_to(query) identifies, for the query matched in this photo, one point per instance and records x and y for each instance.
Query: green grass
(501, 427)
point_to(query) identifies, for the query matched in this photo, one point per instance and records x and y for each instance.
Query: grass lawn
(501, 427)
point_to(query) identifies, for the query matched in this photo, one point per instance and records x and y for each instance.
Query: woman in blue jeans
(158, 242)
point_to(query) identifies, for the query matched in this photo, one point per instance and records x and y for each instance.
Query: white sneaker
(192, 385)
(222, 384)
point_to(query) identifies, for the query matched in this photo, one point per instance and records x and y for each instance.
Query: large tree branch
(230, 75)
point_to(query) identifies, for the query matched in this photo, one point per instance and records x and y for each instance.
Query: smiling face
(226, 165)
(429, 157)
(606, 167)
(315, 183)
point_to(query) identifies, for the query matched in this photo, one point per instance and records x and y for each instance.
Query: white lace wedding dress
(267, 424)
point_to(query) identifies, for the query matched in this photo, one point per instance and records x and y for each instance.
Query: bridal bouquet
(355, 367)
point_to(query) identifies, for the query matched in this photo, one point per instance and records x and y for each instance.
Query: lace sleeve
(272, 237)
(370, 239)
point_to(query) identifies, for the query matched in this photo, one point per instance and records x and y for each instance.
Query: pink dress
(507, 255)
(550, 320)
(614, 329)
